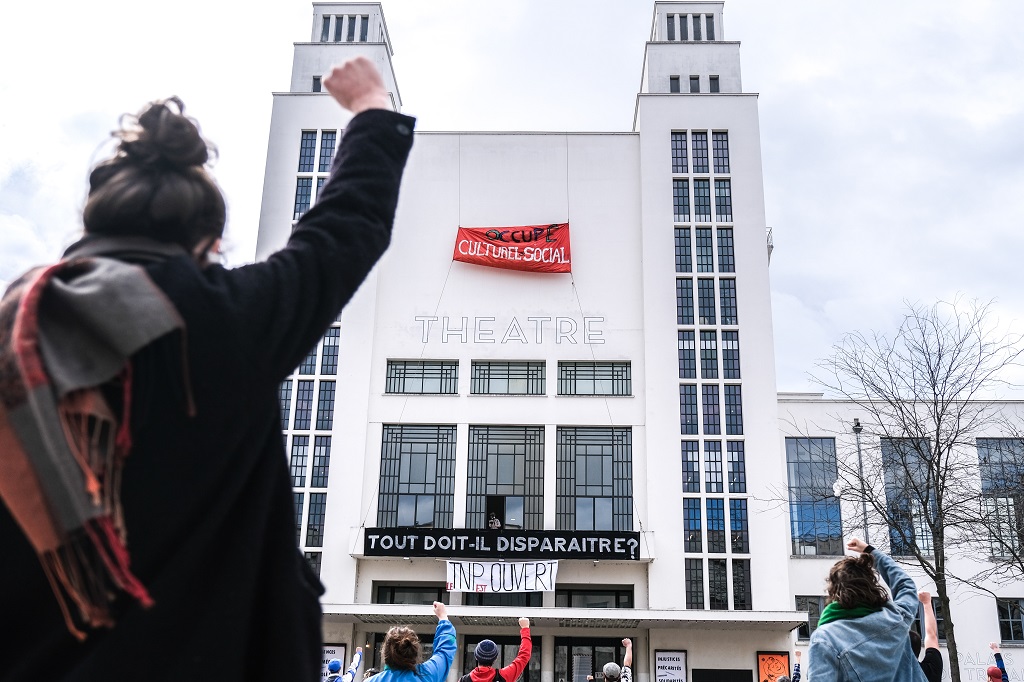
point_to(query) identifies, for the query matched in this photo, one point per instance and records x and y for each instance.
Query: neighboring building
(621, 419)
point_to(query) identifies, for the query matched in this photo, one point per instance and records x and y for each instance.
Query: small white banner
(670, 666)
(501, 576)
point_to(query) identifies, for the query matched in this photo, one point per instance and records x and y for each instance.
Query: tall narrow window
(726, 250)
(307, 148)
(327, 140)
(684, 300)
(303, 406)
(506, 476)
(738, 526)
(709, 20)
(285, 396)
(700, 152)
(325, 31)
(1011, 619)
(298, 498)
(741, 600)
(315, 561)
(681, 201)
(720, 151)
(595, 478)
(815, 522)
(317, 86)
(702, 201)
(714, 86)
(339, 23)
(706, 300)
(351, 35)
(709, 355)
(910, 502)
(696, 27)
(679, 160)
(718, 585)
(733, 410)
(329, 359)
(670, 33)
(594, 378)
(315, 520)
(813, 605)
(308, 364)
(713, 466)
(507, 378)
(723, 200)
(297, 461)
(688, 409)
(737, 467)
(325, 407)
(687, 355)
(417, 476)
(694, 84)
(683, 259)
(727, 289)
(709, 401)
(321, 462)
(319, 186)
(694, 569)
(1001, 463)
(691, 466)
(705, 250)
(303, 189)
(693, 534)
(716, 525)
(364, 28)
(422, 377)
(673, 84)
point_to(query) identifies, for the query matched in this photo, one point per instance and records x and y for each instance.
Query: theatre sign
(538, 545)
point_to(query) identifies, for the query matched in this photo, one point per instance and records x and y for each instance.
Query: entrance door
(577, 657)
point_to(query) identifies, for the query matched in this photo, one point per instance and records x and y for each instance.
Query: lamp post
(857, 428)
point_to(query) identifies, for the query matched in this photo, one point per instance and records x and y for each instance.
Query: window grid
(691, 466)
(303, 405)
(700, 152)
(738, 525)
(417, 460)
(737, 466)
(315, 519)
(308, 364)
(706, 300)
(684, 262)
(325, 406)
(904, 459)
(307, 149)
(506, 460)
(713, 467)
(303, 188)
(815, 520)
(327, 141)
(1011, 619)
(730, 355)
(681, 201)
(298, 498)
(594, 378)
(705, 250)
(813, 605)
(691, 525)
(329, 357)
(319, 186)
(733, 410)
(694, 583)
(720, 151)
(688, 409)
(297, 463)
(726, 250)
(687, 355)
(422, 377)
(507, 378)
(315, 560)
(684, 300)
(741, 599)
(576, 450)
(715, 507)
(718, 585)
(285, 397)
(321, 462)
(712, 416)
(723, 201)
(1001, 464)
(709, 355)
(679, 160)
(702, 201)
(727, 295)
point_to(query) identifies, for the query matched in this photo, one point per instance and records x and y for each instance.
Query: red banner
(537, 248)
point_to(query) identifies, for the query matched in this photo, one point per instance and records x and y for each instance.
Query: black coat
(208, 500)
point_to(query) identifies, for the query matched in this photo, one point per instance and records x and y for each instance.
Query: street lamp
(857, 428)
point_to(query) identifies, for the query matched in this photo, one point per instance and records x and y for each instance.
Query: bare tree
(923, 396)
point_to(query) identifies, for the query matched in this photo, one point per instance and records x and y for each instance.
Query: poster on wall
(501, 576)
(332, 651)
(536, 248)
(771, 664)
(669, 666)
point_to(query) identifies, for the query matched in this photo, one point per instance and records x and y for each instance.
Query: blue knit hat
(486, 652)
(333, 666)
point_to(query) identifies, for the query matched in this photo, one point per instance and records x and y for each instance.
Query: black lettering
(551, 234)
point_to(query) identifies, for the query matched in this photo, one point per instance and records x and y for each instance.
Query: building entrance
(577, 657)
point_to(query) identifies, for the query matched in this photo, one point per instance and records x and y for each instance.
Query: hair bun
(161, 134)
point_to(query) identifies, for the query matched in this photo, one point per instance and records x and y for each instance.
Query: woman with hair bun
(862, 635)
(401, 652)
(147, 511)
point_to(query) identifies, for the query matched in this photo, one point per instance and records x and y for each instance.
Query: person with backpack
(486, 653)
(401, 652)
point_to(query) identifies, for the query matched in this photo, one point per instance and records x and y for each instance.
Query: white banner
(501, 576)
(333, 651)
(670, 666)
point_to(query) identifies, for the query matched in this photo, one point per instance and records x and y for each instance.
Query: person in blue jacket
(997, 672)
(401, 652)
(863, 635)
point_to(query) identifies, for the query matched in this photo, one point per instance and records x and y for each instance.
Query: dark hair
(155, 185)
(401, 649)
(851, 582)
(915, 643)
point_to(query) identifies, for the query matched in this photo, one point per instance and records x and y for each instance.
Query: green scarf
(833, 611)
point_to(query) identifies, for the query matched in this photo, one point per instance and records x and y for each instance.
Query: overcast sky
(892, 133)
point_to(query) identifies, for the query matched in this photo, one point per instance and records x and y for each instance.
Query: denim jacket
(875, 647)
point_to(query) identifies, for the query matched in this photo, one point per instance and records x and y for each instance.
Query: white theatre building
(619, 421)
